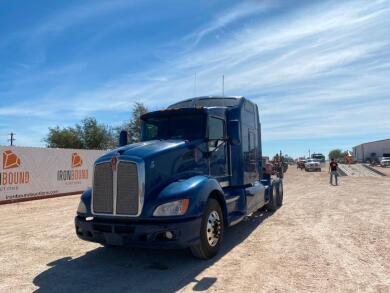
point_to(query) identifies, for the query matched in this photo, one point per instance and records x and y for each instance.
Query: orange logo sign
(76, 160)
(10, 160)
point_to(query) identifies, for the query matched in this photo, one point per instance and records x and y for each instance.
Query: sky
(318, 70)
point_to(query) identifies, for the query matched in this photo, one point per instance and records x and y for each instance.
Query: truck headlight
(82, 209)
(174, 208)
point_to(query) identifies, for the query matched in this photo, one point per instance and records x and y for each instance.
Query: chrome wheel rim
(213, 231)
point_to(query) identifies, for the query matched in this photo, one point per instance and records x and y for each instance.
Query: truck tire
(279, 200)
(211, 231)
(272, 204)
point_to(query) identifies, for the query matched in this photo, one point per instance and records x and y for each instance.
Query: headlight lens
(82, 209)
(174, 208)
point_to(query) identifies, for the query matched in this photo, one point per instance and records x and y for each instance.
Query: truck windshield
(319, 157)
(188, 126)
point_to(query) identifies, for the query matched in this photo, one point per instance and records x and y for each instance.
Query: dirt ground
(324, 239)
(384, 170)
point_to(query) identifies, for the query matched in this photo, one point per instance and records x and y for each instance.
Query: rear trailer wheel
(279, 200)
(272, 204)
(211, 231)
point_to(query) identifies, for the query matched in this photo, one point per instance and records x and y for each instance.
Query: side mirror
(212, 145)
(234, 132)
(123, 138)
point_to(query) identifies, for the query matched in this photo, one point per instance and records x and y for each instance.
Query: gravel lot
(324, 238)
(385, 171)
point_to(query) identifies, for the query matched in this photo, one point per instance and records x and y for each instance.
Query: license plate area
(113, 239)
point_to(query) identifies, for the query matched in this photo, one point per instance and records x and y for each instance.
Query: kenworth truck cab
(196, 171)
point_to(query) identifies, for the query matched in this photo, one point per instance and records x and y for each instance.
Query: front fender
(197, 189)
(86, 199)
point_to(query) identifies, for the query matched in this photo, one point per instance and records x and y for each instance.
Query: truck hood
(165, 161)
(148, 149)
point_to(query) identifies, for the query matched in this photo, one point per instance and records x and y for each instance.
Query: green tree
(95, 135)
(336, 154)
(89, 135)
(92, 135)
(133, 127)
(68, 137)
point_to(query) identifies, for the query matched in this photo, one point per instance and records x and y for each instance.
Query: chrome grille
(103, 189)
(127, 200)
(118, 192)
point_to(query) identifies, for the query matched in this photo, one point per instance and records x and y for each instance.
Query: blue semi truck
(196, 171)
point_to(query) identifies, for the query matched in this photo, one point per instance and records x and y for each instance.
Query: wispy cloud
(74, 16)
(225, 19)
(317, 72)
(66, 18)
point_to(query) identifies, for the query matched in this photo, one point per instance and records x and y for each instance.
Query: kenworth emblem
(114, 161)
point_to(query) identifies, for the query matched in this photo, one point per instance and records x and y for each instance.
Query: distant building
(371, 150)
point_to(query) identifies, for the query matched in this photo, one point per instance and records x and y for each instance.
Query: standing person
(333, 171)
(268, 169)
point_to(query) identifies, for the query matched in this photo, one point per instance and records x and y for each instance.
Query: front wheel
(211, 231)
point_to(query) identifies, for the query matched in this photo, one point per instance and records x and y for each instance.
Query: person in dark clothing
(333, 171)
(267, 171)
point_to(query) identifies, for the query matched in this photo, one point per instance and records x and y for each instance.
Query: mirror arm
(224, 141)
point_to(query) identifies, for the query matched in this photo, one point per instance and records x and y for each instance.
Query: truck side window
(216, 128)
(150, 131)
(216, 133)
(252, 146)
(249, 116)
(250, 156)
(217, 147)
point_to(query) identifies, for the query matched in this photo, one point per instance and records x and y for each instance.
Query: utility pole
(12, 139)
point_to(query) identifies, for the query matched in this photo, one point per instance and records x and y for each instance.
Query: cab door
(217, 147)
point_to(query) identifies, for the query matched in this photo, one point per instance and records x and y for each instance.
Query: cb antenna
(223, 85)
(195, 85)
(223, 89)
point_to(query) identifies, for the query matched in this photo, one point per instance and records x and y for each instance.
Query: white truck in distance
(385, 162)
(312, 165)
